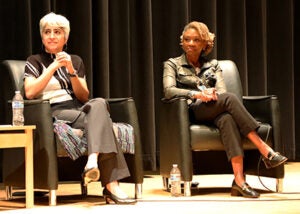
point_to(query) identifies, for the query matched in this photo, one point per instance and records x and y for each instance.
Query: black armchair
(51, 165)
(197, 148)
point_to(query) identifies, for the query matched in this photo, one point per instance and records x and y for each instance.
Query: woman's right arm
(170, 83)
(34, 86)
(171, 90)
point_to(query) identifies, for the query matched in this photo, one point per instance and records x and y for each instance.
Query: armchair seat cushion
(125, 137)
(207, 138)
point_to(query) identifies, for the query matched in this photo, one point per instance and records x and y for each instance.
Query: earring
(65, 48)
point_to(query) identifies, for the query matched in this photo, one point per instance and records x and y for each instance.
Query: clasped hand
(209, 94)
(63, 59)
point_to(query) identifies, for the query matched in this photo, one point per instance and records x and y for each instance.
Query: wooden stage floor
(211, 196)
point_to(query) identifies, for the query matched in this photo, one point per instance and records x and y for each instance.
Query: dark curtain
(124, 42)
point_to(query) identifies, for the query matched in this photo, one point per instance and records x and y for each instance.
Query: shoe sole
(236, 192)
(273, 166)
(91, 175)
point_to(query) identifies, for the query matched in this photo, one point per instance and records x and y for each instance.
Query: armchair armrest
(266, 109)
(263, 108)
(36, 112)
(175, 137)
(124, 110)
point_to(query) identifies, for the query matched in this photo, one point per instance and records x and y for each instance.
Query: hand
(207, 95)
(64, 59)
(212, 92)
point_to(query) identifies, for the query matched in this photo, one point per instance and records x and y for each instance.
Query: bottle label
(175, 187)
(175, 177)
(17, 104)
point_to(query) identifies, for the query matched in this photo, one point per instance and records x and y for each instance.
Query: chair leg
(279, 185)
(138, 191)
(83, 189)
(52, 197)
(187, 188)
(165, 183)
(8, 192)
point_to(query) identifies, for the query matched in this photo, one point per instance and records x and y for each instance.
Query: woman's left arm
(79, 84)
(80, 88)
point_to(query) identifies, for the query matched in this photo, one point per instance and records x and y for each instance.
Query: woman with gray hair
(60, 77)
(200, 81)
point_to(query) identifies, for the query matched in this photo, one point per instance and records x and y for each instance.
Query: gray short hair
(53, 19)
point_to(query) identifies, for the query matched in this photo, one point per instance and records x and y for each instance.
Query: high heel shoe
(89, 175)
(109, 197)
(245, 190)
(274, 159)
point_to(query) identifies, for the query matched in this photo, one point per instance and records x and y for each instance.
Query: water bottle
(18, 109)
(175, 178)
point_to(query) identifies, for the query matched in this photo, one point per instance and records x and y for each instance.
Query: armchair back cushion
(10, 81)
(231, 77)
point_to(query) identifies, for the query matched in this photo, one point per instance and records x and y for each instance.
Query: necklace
(196, 67)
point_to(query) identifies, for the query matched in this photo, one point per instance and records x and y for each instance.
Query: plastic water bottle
(18, 109)
(175, 178)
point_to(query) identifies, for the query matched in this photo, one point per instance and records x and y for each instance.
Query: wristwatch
(74, 74)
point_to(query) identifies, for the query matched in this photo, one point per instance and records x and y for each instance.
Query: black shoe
(89, 175)
(109, 197)
(274, 159)
(245, 191)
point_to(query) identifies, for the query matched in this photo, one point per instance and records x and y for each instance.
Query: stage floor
(211, 196)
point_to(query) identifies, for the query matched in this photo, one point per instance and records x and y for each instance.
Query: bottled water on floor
(175, 178)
